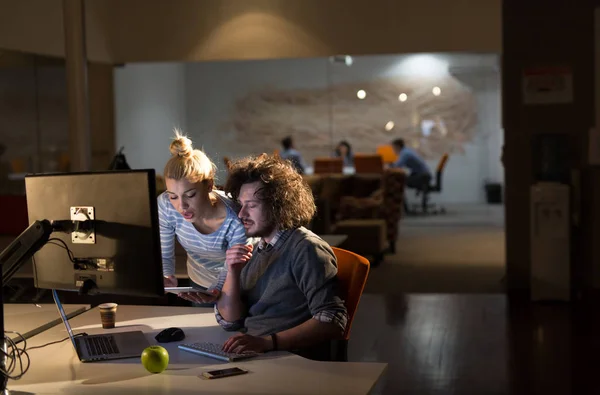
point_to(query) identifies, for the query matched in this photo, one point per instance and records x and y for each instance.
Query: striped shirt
(205, 252)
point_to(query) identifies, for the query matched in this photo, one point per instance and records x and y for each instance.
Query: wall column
(77, 85)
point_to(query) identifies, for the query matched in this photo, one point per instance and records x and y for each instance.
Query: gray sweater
(286, 284)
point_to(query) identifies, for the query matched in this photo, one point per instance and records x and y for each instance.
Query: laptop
(104, 347)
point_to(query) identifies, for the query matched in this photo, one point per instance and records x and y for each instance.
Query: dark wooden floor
(478, 344)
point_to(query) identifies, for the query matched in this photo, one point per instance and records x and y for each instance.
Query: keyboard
(100, 345)
(213, 350)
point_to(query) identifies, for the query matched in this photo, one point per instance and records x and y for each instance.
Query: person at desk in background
(205, 221)
(409, 159)
(283, 294)
(344, 151)
(291, 154)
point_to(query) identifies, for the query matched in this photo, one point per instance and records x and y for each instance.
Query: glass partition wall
(438, 103)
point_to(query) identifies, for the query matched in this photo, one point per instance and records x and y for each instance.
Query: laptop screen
(63, 316)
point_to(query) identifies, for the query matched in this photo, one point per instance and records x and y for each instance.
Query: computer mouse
(170, 335)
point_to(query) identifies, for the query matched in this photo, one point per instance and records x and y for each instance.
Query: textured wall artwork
(318, 118)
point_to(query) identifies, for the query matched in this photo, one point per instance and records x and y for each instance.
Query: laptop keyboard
(100, 345)
(213, 350)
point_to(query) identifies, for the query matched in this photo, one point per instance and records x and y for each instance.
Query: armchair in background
(368, 163)
(328, 165)
(365, 207)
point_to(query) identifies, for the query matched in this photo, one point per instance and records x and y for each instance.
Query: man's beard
(262, 231)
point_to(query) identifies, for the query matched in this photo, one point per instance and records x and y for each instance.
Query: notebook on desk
(93, 348)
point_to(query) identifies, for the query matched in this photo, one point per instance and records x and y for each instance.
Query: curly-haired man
(283, 293)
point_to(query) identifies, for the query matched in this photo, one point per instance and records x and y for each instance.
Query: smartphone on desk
(217, 374)
(177, 290)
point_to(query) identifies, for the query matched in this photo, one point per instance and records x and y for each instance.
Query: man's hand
(237, 256)
(200, 297)
(170, 281)
(243, 343)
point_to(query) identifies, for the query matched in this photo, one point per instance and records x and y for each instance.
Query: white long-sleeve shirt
(205, 253)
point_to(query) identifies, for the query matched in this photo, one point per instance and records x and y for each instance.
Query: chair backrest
(328, 165)
(227, 162)
(353, 271)
(368, 163)
(387, 153)
(439, 170)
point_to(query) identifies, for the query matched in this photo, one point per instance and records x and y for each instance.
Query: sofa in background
(365, 207)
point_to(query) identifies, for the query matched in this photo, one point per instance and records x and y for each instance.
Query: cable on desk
(55, 342)
(18, 358)
(14, 357)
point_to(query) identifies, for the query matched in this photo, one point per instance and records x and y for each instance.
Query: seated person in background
(282, 294)
(410, 159)
(204, 221)
(344, 151)
(291, 154)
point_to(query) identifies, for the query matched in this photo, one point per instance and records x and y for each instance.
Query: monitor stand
(12, 259)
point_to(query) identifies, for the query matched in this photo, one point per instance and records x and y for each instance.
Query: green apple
(155, 359)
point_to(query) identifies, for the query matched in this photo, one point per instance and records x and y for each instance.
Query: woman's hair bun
(181, 145)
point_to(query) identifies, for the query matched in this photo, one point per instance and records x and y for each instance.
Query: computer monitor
(113, 239)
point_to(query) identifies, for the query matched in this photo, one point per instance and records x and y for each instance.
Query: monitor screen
(114, 247)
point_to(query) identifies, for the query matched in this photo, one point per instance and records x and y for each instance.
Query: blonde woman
(204, 220)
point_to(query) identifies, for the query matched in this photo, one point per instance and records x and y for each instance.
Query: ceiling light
(389, 126)
(436, 90)
(403, 97)
(361, 94)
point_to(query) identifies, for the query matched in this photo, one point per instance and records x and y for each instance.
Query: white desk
(30, 319)
(57, 368)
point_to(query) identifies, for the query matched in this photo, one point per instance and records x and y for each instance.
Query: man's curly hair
(283, 190)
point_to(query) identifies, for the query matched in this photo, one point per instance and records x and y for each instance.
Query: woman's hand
(170, 281)
(200, 297)
(237, 256)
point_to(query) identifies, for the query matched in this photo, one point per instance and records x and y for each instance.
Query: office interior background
(223, 79)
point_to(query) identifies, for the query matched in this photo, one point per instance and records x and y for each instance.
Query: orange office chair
(353, 271)
(328, 165)
(368, 163)
(387, 153)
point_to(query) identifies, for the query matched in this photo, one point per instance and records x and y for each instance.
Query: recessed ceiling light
(361, 94)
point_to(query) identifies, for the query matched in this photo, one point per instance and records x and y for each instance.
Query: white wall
(200, 97)
(149, 103)
(465, 176)
(212, 88)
